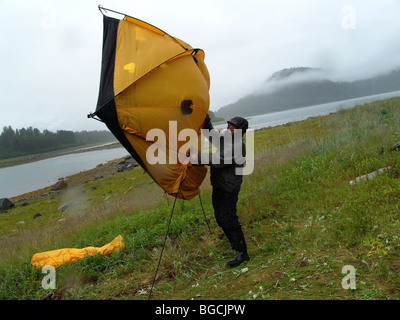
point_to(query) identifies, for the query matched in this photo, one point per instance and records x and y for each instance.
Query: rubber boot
(229, 236)
(240, 247)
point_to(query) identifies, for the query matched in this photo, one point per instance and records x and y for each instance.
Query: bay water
(40, 174)
(298, 114)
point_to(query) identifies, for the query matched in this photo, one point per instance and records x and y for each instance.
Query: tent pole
(165, 240)
(204, 213)
(105, 10)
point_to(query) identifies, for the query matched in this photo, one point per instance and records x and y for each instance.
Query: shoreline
(111, 163)
(53, 154)
(101, 170)
(107, 169)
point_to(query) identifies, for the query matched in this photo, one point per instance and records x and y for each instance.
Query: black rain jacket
(232, 152)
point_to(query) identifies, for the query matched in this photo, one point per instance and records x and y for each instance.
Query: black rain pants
(224, 204)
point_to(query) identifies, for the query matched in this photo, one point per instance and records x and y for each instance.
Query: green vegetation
(302, 219)
(29, 141)
(215, 118)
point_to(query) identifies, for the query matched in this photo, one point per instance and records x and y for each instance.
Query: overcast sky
(51, 50)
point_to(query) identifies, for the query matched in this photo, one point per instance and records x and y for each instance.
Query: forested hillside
(20, 142)
(287, 92)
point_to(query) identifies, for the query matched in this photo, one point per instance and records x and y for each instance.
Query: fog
(51, 50)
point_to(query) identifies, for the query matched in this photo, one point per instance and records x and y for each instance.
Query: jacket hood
(240, 123)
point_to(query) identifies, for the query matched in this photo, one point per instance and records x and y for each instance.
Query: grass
(302, 220)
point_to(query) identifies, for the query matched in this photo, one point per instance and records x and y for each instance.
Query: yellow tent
(150, 80)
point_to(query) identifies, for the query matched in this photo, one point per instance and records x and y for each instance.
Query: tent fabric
(149, 79)
(59, 257)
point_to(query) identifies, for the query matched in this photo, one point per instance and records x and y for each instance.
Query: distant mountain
(299, 87)
(286, 73)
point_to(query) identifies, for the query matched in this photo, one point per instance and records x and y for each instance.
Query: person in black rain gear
(226, 182)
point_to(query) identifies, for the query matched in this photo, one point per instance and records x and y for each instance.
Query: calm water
(35, 175)
(282, 117)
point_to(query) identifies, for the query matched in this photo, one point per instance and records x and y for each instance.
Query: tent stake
(165, 240)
